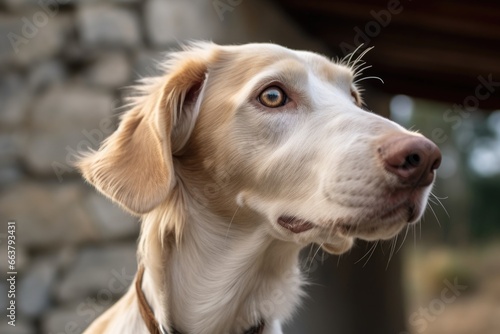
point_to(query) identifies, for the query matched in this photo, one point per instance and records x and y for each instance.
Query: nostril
(412, 160)
(437, 162)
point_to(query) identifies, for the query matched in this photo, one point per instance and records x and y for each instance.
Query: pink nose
(412, 159)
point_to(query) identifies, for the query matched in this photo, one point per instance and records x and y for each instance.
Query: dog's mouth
(407, 212)
(386, 222)
(295, 225)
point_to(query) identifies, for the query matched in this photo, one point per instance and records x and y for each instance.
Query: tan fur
(210, 170)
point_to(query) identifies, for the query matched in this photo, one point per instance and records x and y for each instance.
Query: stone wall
(63, 66)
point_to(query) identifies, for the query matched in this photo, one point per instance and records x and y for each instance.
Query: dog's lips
(406, 211)
(295, 225)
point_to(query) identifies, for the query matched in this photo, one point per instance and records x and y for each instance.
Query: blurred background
(63, 66)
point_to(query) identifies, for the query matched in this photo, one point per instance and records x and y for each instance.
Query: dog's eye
(273, 97)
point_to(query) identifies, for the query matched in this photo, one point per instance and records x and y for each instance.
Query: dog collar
(150, 320)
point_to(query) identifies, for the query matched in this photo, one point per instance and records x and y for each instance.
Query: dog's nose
(412, 159)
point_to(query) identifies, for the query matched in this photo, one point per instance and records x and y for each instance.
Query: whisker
(357, 67)
(316, 253)
(359, 72)
(309, 259)
(434, 213)
(373, 251)
(322, 257)
(415, 236)
(366, 254)
(393, 248)
(350, 55)
(370, 77)
(361, 55)
(438, 199)
(404, 238)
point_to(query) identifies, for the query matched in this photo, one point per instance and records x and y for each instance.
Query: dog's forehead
(261, 56)
(244, 62)
(326, 69)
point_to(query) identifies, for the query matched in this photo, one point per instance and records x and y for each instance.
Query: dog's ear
(134, 165)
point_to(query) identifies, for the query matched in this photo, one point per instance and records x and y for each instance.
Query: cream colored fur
(210, 169)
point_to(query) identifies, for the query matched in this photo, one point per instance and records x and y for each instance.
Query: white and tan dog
(237, 158)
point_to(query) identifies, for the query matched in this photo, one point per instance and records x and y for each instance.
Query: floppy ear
(134, 165)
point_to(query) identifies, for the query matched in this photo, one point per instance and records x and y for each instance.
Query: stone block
(67, 121)
(173, 21)
(104, 25)
(48, 214)
(146, 64)
(99, 274)
(15, 99)
(35, 286)
(109, 71)
(22, 327)
(32, 36)
(47, 74)
(112, 221)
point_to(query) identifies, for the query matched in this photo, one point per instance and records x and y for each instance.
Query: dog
(236, 158)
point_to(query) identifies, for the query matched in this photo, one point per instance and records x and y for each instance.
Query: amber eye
(273, 97)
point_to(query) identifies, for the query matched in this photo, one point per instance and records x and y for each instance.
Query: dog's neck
(224, 277)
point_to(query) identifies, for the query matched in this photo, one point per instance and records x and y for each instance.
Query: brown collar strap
(149, 317)
(146, 311)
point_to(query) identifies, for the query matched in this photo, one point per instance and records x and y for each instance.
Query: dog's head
(278, 133)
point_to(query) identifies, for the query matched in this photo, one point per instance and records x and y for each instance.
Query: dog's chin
(342, 245)
(384, 232)
(385, 225)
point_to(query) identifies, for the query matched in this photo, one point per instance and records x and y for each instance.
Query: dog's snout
(412, 159)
